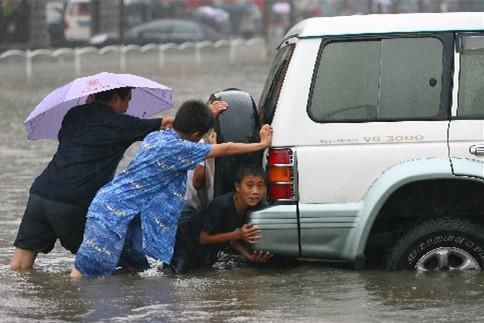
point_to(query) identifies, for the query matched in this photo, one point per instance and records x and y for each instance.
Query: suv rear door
(466, 133)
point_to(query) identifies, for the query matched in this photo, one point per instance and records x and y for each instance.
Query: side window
(185, 28)
(153, 30)
(378, 79)
(346, 84)
(471, 82)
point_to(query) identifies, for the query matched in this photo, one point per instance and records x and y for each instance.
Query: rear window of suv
(471, 84)
(397, 78)
(273, 84)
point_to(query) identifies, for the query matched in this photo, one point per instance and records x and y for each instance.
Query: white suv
(378, 148)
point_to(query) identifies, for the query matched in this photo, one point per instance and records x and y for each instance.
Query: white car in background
(77, 20)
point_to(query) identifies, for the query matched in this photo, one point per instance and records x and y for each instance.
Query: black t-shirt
(92, 141)
(220, 217)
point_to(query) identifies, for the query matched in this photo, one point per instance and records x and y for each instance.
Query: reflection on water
(308, 292)
(232, 291)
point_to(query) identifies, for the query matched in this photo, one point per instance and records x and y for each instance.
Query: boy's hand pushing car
(249, 233)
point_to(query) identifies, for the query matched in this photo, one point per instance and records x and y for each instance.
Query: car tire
(439, 244)
(240, 123)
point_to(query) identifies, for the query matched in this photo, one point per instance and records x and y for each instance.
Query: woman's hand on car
(167, 122)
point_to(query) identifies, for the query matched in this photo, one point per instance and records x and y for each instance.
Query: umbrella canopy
(148, 98)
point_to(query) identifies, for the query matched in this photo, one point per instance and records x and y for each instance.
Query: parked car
(161, 31)
(378, 148)
(77, 20)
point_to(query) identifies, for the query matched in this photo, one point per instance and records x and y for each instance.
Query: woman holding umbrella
(92, 140)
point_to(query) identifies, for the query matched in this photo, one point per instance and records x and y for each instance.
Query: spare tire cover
(239, 123)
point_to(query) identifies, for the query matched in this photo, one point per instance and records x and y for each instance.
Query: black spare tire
(239, 123)
(439, 244)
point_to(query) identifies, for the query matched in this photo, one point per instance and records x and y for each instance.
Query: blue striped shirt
(153, 185)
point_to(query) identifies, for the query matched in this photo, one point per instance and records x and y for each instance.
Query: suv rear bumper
(309, 231)
(280, 232)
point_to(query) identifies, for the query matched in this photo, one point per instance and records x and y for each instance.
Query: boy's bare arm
(233, 148)
(257, 256)
(247, 232)
(240, 248)
(198, 180)
(200, 171)
(207, 238)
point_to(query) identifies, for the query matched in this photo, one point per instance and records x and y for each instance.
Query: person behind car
(200, 181)
(92, 141)
(151, 188)
(200, 238)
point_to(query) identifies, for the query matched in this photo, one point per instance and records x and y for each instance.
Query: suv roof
(391, 23)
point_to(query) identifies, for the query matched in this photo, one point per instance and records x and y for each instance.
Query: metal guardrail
(77, 52)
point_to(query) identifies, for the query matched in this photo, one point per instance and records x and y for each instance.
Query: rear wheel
(239, 123)
(439, 244)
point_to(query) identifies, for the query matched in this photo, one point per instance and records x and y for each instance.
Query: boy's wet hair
(193, 116)
(105, 96)
(249, 170)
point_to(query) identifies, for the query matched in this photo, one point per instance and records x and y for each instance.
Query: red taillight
(279, 156)
(281, 175)
(278, 192)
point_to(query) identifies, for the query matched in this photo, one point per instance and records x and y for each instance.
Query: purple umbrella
(148, 98)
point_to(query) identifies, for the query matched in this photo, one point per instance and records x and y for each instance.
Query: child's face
(251, 190)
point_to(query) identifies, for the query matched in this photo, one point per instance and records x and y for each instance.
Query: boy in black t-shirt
(201, 236)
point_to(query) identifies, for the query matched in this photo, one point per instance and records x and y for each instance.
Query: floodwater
(231, 291)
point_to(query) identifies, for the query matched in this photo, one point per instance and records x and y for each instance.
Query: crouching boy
(202, 236)
(147, 197)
